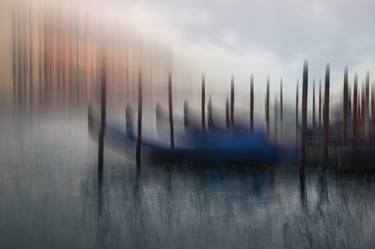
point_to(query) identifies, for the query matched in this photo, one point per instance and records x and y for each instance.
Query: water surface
(50, 197)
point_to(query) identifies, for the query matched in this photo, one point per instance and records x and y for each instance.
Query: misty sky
(264, 37)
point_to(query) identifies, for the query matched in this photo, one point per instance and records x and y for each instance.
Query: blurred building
(51, 55)
(5, 49)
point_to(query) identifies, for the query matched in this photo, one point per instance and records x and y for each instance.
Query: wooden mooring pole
(320, 105)
(304, 112)
(313, 106)
(326, 115)
(372, 102)
(281, 107)
(186, 113)
(297, 112)
(303, 134)
(102, 122)
(276, 110)
(350, 105)
(203, 104)
(367, 98)
(232, 103)
(346, 104)
(267, 106)
(355, 108)
(362, 113)
(170, 105)
(367, 108)
(227, 116)
(251, 103)
(139, 123)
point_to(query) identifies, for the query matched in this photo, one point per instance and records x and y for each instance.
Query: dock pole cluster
(358, 115)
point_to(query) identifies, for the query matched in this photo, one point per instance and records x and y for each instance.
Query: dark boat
(237, 146)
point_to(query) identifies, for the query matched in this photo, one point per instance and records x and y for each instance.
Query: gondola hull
(233, 146)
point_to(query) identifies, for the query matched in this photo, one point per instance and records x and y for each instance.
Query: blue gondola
(214, 146)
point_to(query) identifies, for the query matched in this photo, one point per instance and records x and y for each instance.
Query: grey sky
(261, 37)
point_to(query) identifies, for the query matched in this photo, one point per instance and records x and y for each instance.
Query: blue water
(50, 197)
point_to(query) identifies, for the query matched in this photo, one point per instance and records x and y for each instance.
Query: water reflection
(52, 197)
(175, 206)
